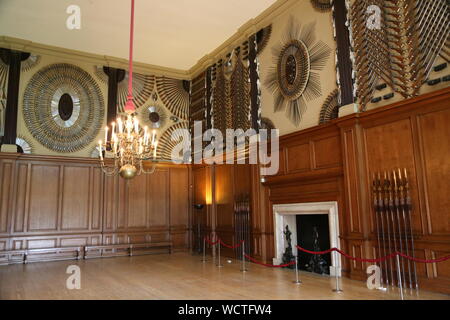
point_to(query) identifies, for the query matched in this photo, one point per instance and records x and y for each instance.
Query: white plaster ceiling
(169, 33)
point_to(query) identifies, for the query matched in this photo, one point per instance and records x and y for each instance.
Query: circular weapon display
(152, 116)
(293, 78)
(63, 107)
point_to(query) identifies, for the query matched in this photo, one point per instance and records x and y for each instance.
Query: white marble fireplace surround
(285, 214)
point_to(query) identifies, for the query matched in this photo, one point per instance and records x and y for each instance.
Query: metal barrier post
(337, 289)
(219, 264)
(204, 251)
(297, 281)
(243, 269)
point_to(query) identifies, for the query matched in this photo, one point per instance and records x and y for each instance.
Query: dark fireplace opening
(313, 233)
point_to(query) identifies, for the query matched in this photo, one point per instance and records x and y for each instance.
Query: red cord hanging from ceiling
(129, 107)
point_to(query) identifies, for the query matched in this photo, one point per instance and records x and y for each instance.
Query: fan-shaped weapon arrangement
(143, 86)
(24, 145)
(177, 134)
(399, 57)
(175, 95)
(330, 108)
(322, 5)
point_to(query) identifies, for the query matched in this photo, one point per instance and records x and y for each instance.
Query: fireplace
(286, 215)
(313, 233)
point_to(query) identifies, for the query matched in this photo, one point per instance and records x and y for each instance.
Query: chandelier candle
(128, 149)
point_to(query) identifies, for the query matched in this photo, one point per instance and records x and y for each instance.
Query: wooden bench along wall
(51, 204)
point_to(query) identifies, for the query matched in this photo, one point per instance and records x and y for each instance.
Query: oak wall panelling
(179, 218)
(335, 162)
(219, 186)
(314, 173)
(414, 134)
(201, 194)
(49, 202)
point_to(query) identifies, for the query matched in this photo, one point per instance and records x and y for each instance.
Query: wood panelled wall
(311, 170)
(413, 134)
(219, 187)
(48, 202)
(334, 162)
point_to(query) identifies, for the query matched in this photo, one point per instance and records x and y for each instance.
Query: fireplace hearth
(313, 234)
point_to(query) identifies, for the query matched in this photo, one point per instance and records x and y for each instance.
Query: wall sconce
(208, 195)
(199, 206)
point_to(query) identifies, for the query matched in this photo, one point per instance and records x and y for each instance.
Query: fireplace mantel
(284, 214)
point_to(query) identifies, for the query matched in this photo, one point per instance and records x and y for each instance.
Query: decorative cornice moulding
(104, 60)
(242, 34)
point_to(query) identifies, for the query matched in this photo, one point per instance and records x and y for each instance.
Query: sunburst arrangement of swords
(32, 61)
(143, 86)
(294, 78)
(393, 219)
(79, 124)
(175, 95)
(400, 53)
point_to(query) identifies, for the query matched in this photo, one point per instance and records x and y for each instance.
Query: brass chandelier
(128, 145)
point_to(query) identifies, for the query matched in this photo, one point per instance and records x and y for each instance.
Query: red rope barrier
(231, 247)
(441, 259)
(269, 265)
(223, 243)
(389, 256)
(211, 242)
